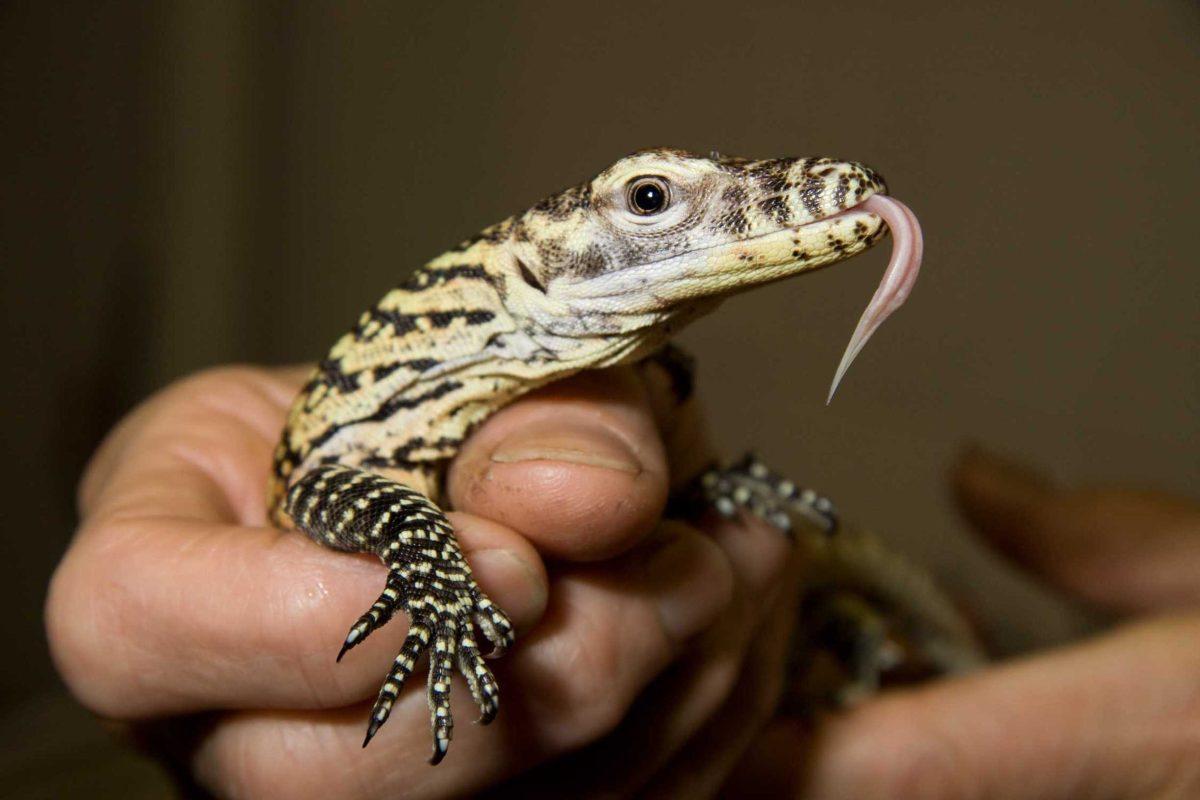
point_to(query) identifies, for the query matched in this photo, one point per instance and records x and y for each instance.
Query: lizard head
(662, 235)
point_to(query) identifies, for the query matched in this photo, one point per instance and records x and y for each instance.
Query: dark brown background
(190, 183)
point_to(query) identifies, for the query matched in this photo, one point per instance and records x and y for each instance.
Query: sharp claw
(499, 638)
(351, 639)
(372, 728)
(440, 746)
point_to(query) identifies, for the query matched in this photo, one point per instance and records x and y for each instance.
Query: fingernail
(693, 584)
(576, 443)
(519, 588)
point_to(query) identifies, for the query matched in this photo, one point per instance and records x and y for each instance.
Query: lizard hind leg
(868, 618)
(428, 578)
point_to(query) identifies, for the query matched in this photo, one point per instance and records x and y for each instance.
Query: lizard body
(602, 273)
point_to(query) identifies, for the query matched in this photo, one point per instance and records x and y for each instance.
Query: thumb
(1118, 717)
(1120, 549)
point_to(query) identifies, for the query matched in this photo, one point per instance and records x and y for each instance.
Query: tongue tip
(897, 282)
(839, 374)
(833, 387)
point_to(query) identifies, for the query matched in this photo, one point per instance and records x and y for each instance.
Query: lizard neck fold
(421, 369)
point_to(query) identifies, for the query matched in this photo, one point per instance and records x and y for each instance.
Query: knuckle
(87, 616)
(218, 378)
(594, 686)
(248, 757)
(67, 644)
(596, 670)
(690, 583)
(237, 392)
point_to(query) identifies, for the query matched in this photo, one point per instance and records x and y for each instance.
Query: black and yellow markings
(428, 278)
(390, 322)
(363, 457)
(354, 509)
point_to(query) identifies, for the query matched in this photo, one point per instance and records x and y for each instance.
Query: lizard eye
(648, 196)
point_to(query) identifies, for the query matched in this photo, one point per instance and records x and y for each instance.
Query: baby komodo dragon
(600, 274)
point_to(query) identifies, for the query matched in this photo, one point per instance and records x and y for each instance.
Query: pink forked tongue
(897, 281)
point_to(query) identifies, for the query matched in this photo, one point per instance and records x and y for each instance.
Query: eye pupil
(648, 197)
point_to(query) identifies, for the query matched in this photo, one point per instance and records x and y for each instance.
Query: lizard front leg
(355, 510)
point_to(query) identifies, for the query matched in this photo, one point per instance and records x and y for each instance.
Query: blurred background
(192, 183)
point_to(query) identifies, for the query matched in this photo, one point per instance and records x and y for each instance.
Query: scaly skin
(584, 279)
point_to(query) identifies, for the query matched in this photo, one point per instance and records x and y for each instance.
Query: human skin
(650, 653)
(1115, 717)
(180, 614)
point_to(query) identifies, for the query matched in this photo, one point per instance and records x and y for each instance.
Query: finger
(160, 585)
(702, 766)
(164, 616)
(606, 634)
(1115, 717)
(577, 467)
(199, 450)
(748, 638)
(682, 701)
(1124, 550)
(610, 631)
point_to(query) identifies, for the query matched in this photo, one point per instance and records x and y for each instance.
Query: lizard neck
(431, 360)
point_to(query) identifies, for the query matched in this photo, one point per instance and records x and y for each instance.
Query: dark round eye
(648, 196)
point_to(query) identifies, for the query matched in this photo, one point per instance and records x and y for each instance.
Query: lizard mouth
(898, 278)
(684, 282)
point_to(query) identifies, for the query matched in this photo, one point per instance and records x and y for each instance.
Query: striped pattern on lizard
(602, 273)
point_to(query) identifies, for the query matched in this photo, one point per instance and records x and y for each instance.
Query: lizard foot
(428, 579)
(752, 486)
(442, 623)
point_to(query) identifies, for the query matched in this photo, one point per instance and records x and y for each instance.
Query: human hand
(1114, 717)
(179, 612)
